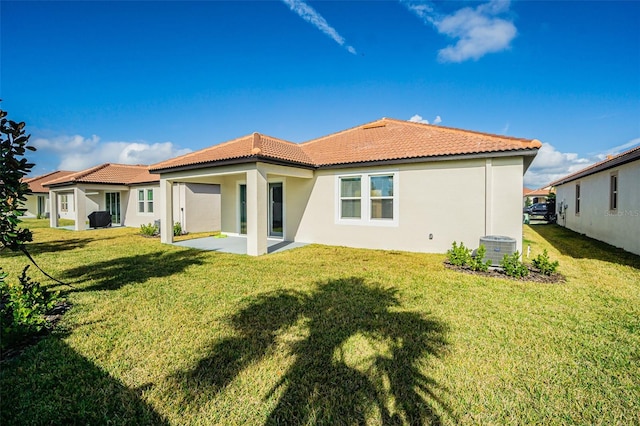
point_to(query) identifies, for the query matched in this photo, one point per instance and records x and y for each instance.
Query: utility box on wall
(497, 246)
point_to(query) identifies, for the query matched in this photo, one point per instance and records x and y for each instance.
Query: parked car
(538, 209)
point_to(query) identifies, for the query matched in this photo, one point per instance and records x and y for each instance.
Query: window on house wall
(141, 201)
(381, 196)
(613, 191)
(577, 198)
(351, 197)
(367, 199)
(145, 201)
(64, 203)
(149, 200)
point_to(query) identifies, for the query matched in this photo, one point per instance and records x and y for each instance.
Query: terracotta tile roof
(390, 139)
(541, 192)
(526, 190)
(254, 145)
(385, 139)
(109, 173)
(35, 183)
(612, 161)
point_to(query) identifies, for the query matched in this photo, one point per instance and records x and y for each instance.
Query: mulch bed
(534, 274)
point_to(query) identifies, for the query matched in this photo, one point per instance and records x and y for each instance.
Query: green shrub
(476, 263)
(459, 255)
(149, 230)
(177, 229)
(513, 267)
(22, 308)
(543, 263)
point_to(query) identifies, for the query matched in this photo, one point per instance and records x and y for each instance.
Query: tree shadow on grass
(360, 356)
(53, 384)
(52, 246)
(579, 246)
(115, 273)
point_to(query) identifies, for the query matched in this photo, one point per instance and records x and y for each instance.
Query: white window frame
(64, 203)
(145, 202)
(365, 199)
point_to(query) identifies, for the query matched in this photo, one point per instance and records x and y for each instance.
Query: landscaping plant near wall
(22, 305)
(461, 258)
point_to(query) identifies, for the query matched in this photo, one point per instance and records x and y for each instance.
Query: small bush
(22, 308)
(513, 267)
(149, 230)
(459, 255)
(476, 263)
(177, 229)
(543, 263)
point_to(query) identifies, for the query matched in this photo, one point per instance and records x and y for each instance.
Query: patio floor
(236, 245)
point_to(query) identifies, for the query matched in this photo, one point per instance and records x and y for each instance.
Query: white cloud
(551, 164)
(78, 153)
(418, 119)
(478, 30)
(310, 15)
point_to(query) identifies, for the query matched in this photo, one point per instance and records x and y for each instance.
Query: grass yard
(325, 335)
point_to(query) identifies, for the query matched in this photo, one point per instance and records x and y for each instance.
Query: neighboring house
(131, 195)
(37, 203)
(540, 195)
(602, 201)
(389, 184)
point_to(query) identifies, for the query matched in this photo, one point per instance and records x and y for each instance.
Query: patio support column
(80, 207)
(256, 212)
(53, 209)
(166, 211)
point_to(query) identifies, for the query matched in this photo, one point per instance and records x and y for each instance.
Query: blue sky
(139, 82)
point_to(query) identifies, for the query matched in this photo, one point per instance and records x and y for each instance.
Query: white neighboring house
(602, 201)
(130, 193)
(37, 203)
(389, 184)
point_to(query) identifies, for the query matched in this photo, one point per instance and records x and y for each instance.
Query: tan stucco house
(602, 201)
(540, 195)
(130, 193)
(37, 203)
(389, 184)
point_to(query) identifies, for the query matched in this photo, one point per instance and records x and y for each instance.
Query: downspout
(488, 197)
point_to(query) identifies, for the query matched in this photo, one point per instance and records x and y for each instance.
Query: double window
(145, 200)
(368, 199)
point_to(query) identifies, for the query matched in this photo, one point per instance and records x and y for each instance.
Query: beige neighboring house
(130, 193)
(602, 201)
(540, 195)
(389, 184)
(37, 203)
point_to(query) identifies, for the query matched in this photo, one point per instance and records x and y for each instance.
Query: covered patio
(236, 244)
(260, 205)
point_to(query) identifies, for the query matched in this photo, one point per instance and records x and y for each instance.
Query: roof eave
(232, 162)
(597, 169)
(433, 158)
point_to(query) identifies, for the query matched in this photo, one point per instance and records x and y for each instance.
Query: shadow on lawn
(52, 384)
(579, 246)
(356, 355)
(52, 246)
(115, 273)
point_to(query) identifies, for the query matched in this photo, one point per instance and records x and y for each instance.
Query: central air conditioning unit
(497, 246)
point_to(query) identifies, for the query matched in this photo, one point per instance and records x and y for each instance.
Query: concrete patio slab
(236, 245)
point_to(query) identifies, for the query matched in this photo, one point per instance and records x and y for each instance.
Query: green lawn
(325, 335)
